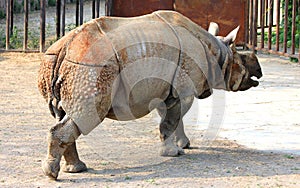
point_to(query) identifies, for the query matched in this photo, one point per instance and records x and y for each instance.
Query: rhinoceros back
(96, 54)
(107, 54)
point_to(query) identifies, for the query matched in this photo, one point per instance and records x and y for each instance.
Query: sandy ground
(126, 154)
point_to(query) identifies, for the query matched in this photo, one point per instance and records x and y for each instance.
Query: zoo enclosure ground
(119, 157)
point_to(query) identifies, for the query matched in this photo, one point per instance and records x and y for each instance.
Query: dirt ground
(133, 161)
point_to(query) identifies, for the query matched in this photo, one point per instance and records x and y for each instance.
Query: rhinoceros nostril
(259, 74)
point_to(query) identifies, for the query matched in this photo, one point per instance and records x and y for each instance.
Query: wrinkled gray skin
(199, 62)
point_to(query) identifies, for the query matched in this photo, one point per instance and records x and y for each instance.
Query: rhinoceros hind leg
(73, 163)
(170, 119)
(62, 135)
(181, 139)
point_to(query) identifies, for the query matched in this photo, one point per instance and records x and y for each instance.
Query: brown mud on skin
(25, 121)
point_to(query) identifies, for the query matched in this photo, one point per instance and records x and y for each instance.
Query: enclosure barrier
(270, 25)
(60, 21)
(274, 27)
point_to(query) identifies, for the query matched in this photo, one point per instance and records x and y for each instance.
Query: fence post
(77, 12)
(277, 25)
(58, 6)
(11, 16)
(246, 24)
(255, 13)
(63, 17)
(25, 25)
(270, 17)
(42, 25)
(262, 23)
(251, 22)
(81, 12)
(108, 7)
(93, 9)
(7, 23)
(294, 26)
(98, 9)
(286, 9)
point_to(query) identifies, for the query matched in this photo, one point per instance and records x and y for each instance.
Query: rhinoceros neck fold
(204, 49)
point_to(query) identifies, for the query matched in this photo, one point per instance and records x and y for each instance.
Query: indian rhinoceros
(122, 68)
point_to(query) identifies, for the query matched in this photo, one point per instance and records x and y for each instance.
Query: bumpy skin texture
(123, 68)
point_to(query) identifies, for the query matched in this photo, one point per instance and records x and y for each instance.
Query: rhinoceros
(123, 68)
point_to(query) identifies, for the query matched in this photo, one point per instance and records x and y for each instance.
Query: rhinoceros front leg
(180, 137)
(60, 137)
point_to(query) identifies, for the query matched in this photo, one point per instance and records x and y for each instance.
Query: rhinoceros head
(252, 68)
(244, 68)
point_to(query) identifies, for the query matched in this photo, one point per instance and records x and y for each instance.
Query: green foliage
(294, 60)
(289, 24)
(70, 26)
(34, 4)
(289, 156)
(33, 40)
(51, 3)
(18, 7)
(16, 41)
(2, 14)
(2, 37)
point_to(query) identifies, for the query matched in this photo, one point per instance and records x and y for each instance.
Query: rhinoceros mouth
(254, 77)
(254, 81)
(249, 81)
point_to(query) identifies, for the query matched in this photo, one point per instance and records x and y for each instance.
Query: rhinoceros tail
(48, 79)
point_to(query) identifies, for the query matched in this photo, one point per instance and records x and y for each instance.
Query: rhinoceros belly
(137, 101)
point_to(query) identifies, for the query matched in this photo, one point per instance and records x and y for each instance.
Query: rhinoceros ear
(233, 48)
(230, 38)
(213, 28)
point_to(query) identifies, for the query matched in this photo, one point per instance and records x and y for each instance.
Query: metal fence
(274, 27)
(60, 19)
(271, 25)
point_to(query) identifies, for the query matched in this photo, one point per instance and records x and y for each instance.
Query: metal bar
(93, 9)
(293, 26)
(270, 16)
(81, 12)
(109, 8)
(7, 24)
(42, 25)
(63, 17)
(251, 22)
(11, 16)
(255, 6)
(247, 23)
(58, 6)
(286, 9)
(98, 9)
(77, 12)
(25, 39)
(262, 23)
(277, 25)
(266, 13)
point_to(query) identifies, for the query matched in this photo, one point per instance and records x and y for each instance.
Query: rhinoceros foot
(73, 168)
(51, 168)
(183, 143)
(169, 149)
